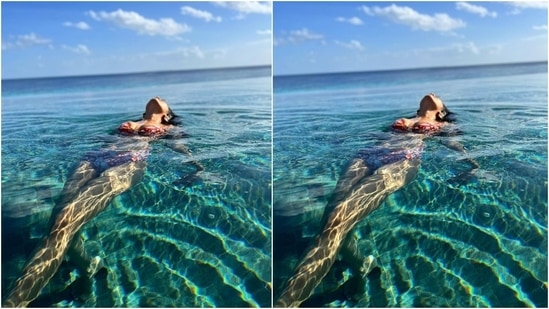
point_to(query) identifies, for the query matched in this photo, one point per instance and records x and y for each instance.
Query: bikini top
(423, 127)
(153, 131)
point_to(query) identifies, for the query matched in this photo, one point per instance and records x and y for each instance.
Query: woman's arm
(458, 146)
(182, 148)
(465, 176)
(173, 141)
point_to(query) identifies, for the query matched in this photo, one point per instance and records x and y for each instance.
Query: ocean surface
(440, 241)
(164, 242)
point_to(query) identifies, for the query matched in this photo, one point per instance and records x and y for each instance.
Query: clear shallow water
(481, 242)
(164, 244)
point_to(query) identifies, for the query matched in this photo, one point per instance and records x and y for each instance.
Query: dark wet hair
(174, 119)
(448, 115)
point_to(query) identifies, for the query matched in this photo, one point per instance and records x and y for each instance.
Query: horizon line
(143, 72)
(277, 75)
(411, 68)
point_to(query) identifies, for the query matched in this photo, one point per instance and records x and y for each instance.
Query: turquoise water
(480, 242)
(164, 243)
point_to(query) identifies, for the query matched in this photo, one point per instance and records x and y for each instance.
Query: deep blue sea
(480, 242)
(164, 243)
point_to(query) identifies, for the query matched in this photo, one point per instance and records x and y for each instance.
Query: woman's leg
(87, 203)
(361, 200)
(351, 254)
(356, 171)
(83, 173)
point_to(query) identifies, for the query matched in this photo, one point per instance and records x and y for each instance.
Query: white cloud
(529, 4)
(407, 16)
(303, 35)
(185, 52)
(352, 20)
(259, 42)
(540, 27)
(521, 5)
(193, 51)
(79, 49)
(80, 25)
(207, 16)
(469, 48)
(353, 45)
(247, 7)
(475, 9)
(25, 40)
(297, 36)
(264, 32)
(31, 39)
(133, 21)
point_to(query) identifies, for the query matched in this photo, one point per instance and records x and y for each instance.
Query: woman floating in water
(96, 181)
(370, 177)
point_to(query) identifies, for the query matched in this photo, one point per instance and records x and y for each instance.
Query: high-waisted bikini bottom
(105, 159)
(376, 157)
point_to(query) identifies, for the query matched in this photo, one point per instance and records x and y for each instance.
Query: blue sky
(82, 38)
(319, 37)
